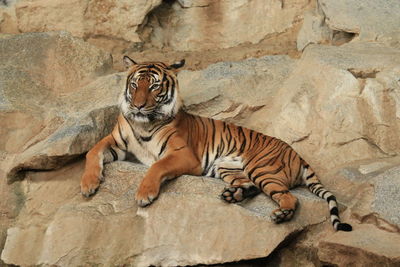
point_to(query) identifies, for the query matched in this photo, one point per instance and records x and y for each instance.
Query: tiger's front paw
(90, 182)
(146, 194)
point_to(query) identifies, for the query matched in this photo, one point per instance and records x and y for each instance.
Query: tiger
(154, 126)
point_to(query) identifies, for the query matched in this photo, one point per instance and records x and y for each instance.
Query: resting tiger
(155, 128)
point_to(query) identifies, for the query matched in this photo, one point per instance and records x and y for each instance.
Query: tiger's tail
(314, 185)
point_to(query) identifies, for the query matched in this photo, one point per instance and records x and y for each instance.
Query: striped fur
(155, 128)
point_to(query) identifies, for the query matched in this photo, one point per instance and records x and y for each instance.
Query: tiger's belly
(222, 164)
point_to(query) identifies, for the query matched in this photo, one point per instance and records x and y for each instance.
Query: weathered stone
(344, 100)
(8, 20)
(366, 246)
(371, 19)
(43, 77)
(109, 19)
(200, 25)
(229, 90)
(314, 30)
(189, 224)
(325, 102)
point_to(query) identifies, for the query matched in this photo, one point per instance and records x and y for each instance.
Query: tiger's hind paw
(281, 215)
(235, 194)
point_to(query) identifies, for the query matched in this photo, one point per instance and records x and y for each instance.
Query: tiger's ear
(128, 62)
(177, 65)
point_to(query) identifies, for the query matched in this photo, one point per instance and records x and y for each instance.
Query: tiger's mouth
(146, 115)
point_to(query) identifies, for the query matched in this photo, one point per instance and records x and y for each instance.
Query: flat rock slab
(230, 90)
(188, 224)
(371, 19)
(365, 246)
(52, 106)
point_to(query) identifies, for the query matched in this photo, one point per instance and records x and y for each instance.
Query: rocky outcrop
(180, 228)
(229, 90)
(339, 22)
(338, 104)
(42, 76)
(371, 20)
(206, 24)
(334, 99)
(108, 19)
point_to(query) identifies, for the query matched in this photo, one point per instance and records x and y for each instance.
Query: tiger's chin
(146, 118)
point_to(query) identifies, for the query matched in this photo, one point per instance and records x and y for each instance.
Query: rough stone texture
(339, 106)
(227, 90)
(314, 30)
(8, 20)
(178, 229)
(387, 197)
(367, 246)
(201, 24)
(42, 76)
(344, 100)
(335, 100)
(108, 19)
(371, 19)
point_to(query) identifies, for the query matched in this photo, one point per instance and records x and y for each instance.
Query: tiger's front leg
(177, 161)
(104, 151)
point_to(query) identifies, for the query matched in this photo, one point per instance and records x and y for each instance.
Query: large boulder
(338, 22)
(189, 224)
(339, 104)
(43, 76)
(108, 19)
(233, 90)
(371, 20)
(192, 25)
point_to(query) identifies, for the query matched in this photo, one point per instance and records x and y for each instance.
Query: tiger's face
(151, 91)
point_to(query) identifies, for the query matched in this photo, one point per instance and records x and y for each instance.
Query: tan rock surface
(200, 24)
(41, 75)
(367, 246)
(371, 19)
(338, 99)
(188, 224)
(229, 90)
(339, 106)
(109, 19)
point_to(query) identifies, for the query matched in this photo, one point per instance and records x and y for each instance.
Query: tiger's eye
(155, 87)
(133, 85)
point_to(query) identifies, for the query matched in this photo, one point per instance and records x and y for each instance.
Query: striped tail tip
(344, 227)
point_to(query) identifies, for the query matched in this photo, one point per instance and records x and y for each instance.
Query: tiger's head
(151, 91)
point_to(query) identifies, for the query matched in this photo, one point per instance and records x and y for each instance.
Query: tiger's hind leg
(273, 186)
(240, 186)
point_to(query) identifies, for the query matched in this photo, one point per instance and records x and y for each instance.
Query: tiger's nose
(139, 106)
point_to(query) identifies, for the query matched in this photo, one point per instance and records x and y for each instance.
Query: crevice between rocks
(370, 143)
(374, 219)
(19, 172)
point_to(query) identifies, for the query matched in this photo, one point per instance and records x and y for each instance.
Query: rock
(8, 20)
(372, 20)
(376, 203)
(233, 90)
(336, 99)
(189, 224)
(339, 104)
(199, 24)
(44, 75)
(108, 19)
(366, 246)
(314, 30)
